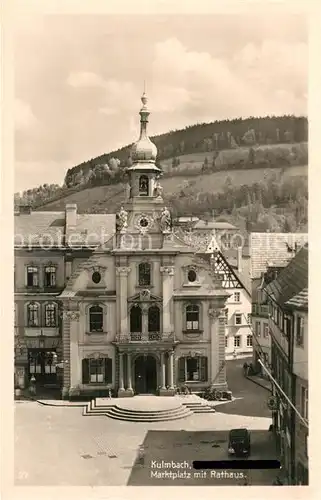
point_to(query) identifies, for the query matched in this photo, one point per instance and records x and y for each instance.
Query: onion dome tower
(143, 172)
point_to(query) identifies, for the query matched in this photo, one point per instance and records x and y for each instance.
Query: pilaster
(122, 273)
(168, 288)
(217, 329)
(66, 352)
(75, 361)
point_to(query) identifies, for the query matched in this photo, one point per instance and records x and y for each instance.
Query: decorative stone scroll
(123, 271)
(94, 267)
(145, 294)
(167, 270)
(214, 313)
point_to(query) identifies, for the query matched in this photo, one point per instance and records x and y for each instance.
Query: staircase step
(115, 412)
(134, 418)
(142, 418)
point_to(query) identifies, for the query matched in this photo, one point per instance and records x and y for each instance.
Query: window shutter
(108, 370)
(204, 375)
(85, 371)
(181, 369)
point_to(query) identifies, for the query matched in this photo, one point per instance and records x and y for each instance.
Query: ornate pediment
(145, 296)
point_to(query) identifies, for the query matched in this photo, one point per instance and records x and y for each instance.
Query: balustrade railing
(141, 337)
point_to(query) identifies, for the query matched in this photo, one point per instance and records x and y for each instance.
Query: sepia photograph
(161, 291)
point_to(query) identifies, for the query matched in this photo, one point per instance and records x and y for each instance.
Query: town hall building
(119, 303)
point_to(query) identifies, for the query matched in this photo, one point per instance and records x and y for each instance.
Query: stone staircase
(148, 409)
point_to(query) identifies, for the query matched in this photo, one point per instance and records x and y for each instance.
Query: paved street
(254, 397)
(180, 446)
(58, 446)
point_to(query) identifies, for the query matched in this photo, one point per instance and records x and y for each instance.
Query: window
(249, 318)
(96, 277)
(143, 185)
(96, 319)
(237, 341)
(238, 318)
(299, 331)
(226, 342)
(144, 274)
(191, 276)
(33, 315)
(258, 329)
(50, 315)
(97, 370)
(32, 276)
(304, 402)
(193, 369)
(50, 276)
(249, 341)
(237, 297)
(136, 319)
(192, 317)
(41, 362)
(153, 319)
(265, 330)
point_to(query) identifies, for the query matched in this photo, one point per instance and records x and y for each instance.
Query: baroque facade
(117, 303)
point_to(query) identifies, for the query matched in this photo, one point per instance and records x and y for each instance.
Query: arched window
(33, 314)
(96, 319)
(51, 315)
(135, 319)
(192, 317)
(153, 319)
(144, 274)
(143, 185)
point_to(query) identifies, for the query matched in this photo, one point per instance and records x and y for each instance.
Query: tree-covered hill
(200, 138)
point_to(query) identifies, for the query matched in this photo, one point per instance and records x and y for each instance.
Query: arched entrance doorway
(145, 375)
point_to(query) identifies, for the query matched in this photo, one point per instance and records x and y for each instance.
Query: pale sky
(78, 80)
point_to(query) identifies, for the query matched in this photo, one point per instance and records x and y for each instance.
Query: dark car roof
(239, 432)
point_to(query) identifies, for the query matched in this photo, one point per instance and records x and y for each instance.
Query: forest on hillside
(273, 205)
(205, 137)
(234, 144)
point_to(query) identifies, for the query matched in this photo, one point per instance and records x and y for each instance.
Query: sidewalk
(266, 384)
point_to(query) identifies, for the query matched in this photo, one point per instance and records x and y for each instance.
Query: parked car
(239, 442)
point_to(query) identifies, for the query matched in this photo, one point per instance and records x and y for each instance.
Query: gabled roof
(291, 280)
(299, 301)
(273, 249)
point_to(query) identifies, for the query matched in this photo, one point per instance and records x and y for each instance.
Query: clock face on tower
(143, 222)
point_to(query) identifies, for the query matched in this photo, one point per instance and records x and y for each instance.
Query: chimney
(239, 259)
(71, 216)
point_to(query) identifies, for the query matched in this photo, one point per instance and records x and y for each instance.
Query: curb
(43, 403)
(258, 383)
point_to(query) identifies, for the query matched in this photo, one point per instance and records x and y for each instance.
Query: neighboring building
(232, 270)
(185, 222)
(117, 304)
(270, 253)
(287, 333)
(224, 231)
(299, 305)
